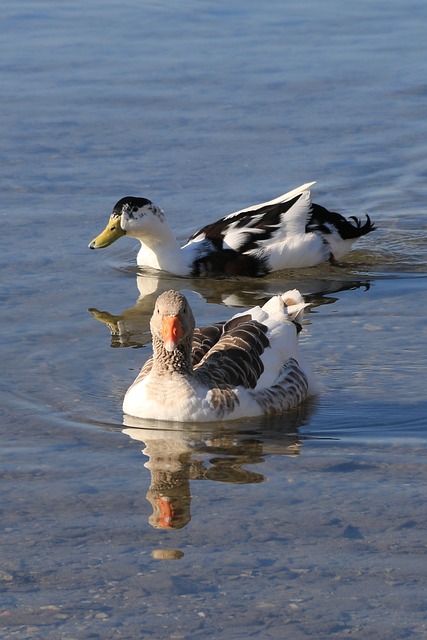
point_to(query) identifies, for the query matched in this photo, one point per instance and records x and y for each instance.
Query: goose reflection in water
(178, 454)
(131, 328)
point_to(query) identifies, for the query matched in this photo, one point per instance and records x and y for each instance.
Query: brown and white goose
(248, 366)
(285, 233)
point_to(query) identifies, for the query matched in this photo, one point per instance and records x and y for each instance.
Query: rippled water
(308, 525)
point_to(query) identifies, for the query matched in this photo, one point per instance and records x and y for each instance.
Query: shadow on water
(219, 452)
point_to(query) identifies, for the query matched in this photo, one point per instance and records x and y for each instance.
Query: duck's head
(172, 321)
(130, 216)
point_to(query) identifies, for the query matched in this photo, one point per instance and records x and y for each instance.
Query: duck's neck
(178, 361)
(162, 251)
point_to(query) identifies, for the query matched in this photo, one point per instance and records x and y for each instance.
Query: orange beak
(171, 332)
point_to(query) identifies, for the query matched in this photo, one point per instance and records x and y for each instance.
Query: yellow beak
(111, 233)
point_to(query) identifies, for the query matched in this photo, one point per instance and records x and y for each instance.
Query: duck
(247, 366)
(288, 232)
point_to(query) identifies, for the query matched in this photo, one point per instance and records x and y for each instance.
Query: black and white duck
(288, 232)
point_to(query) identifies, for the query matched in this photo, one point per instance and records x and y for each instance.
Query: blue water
(309, 525)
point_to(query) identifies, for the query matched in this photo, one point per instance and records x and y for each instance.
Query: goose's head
(135, 217)
(172, 321)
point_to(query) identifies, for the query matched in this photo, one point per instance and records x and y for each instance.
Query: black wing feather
(265, 219)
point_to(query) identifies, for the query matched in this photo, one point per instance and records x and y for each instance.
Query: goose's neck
(178, 361)
(162, 251)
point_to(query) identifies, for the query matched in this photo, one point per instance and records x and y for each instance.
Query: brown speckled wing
(235, 359)
(204, 339)
(289, 390)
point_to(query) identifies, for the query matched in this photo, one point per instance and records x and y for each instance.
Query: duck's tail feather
(362, 229)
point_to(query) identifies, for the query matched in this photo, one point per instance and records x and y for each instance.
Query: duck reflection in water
(178, 454)
(131, 328)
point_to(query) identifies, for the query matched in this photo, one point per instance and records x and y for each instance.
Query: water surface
(307, 525)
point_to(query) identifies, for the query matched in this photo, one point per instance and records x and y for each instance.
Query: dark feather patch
(236, 358)
(289, 390)
(266, 219)
(205, 338)
(223, 400)
(235, 322)
(218, 261)
(320, 217)
(131, 204)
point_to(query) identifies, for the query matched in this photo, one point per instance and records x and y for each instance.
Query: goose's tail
(295, 304)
